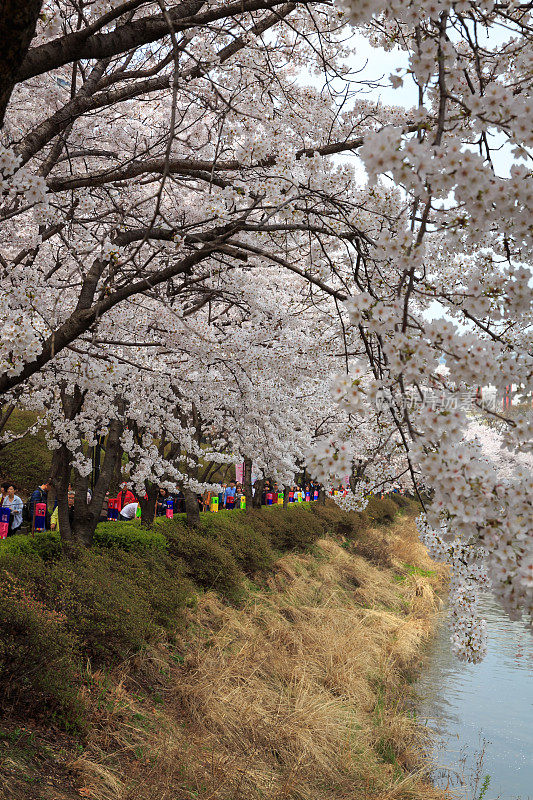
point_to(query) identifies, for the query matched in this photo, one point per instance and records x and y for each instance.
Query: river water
(482, 715)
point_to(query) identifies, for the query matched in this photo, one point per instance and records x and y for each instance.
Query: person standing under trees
(40, 495)
(13, 502)
(125, 497)
(161, 502)
(229, 495)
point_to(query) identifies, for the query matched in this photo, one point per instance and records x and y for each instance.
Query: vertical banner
(138, 512)
(507, 397)
(243, 503)
(170, 509)
(5, 515)
(239, 473)
(315, 495)
(269, 498)
(230, 502)
(300, 496)
(280, 498)
(214, 504)
(307, 497)
(291, 496)
(39, 519)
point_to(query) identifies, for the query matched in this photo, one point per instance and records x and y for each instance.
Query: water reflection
(482, 715)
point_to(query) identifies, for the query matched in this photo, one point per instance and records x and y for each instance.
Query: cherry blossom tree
(183, 157)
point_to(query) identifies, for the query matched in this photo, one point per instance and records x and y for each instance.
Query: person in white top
(13, 501)
(128, 512)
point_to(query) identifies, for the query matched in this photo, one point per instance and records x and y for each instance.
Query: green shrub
(339, 522)
(114, 602)
(249, 547)
(207, 563)
(38, 657)
(292, 528)
(45, 545)
(111, 535)
(406, 504)
(399, 499)
(381, 511)
(128, 536)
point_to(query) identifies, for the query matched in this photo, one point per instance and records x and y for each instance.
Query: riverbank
(288, 677)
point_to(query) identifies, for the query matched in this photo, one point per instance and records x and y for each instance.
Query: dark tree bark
(286, 490)
(192, 509)
(148, 505)
(322, 497)
(258, 492)
(61, 469)
(88, 44)
(88, 311)
(85, 515)
(18, 20)
(248, 493)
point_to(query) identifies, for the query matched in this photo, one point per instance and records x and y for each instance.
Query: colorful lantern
(5, 516)
(39, 519)
(112, 509)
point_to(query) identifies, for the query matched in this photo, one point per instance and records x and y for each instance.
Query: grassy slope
(297, 691)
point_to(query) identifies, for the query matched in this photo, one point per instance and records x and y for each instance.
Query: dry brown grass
(300, 694)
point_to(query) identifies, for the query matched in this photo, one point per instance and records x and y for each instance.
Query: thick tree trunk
(192, 509)
(286, 490)
(322, 497)
(61, 469)
(357, 472)
(85, 515)
(258, 492)
(247, 486)
(148, 505)
(18, 20)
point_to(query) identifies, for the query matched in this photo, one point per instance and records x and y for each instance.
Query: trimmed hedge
(45, 545)
(341, 523)
(291, 528)
(111, 535)
(206, 562)
(234, 530)
(381, 511)
(128, 536)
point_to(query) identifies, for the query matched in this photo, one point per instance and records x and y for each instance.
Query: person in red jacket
(124, 497)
